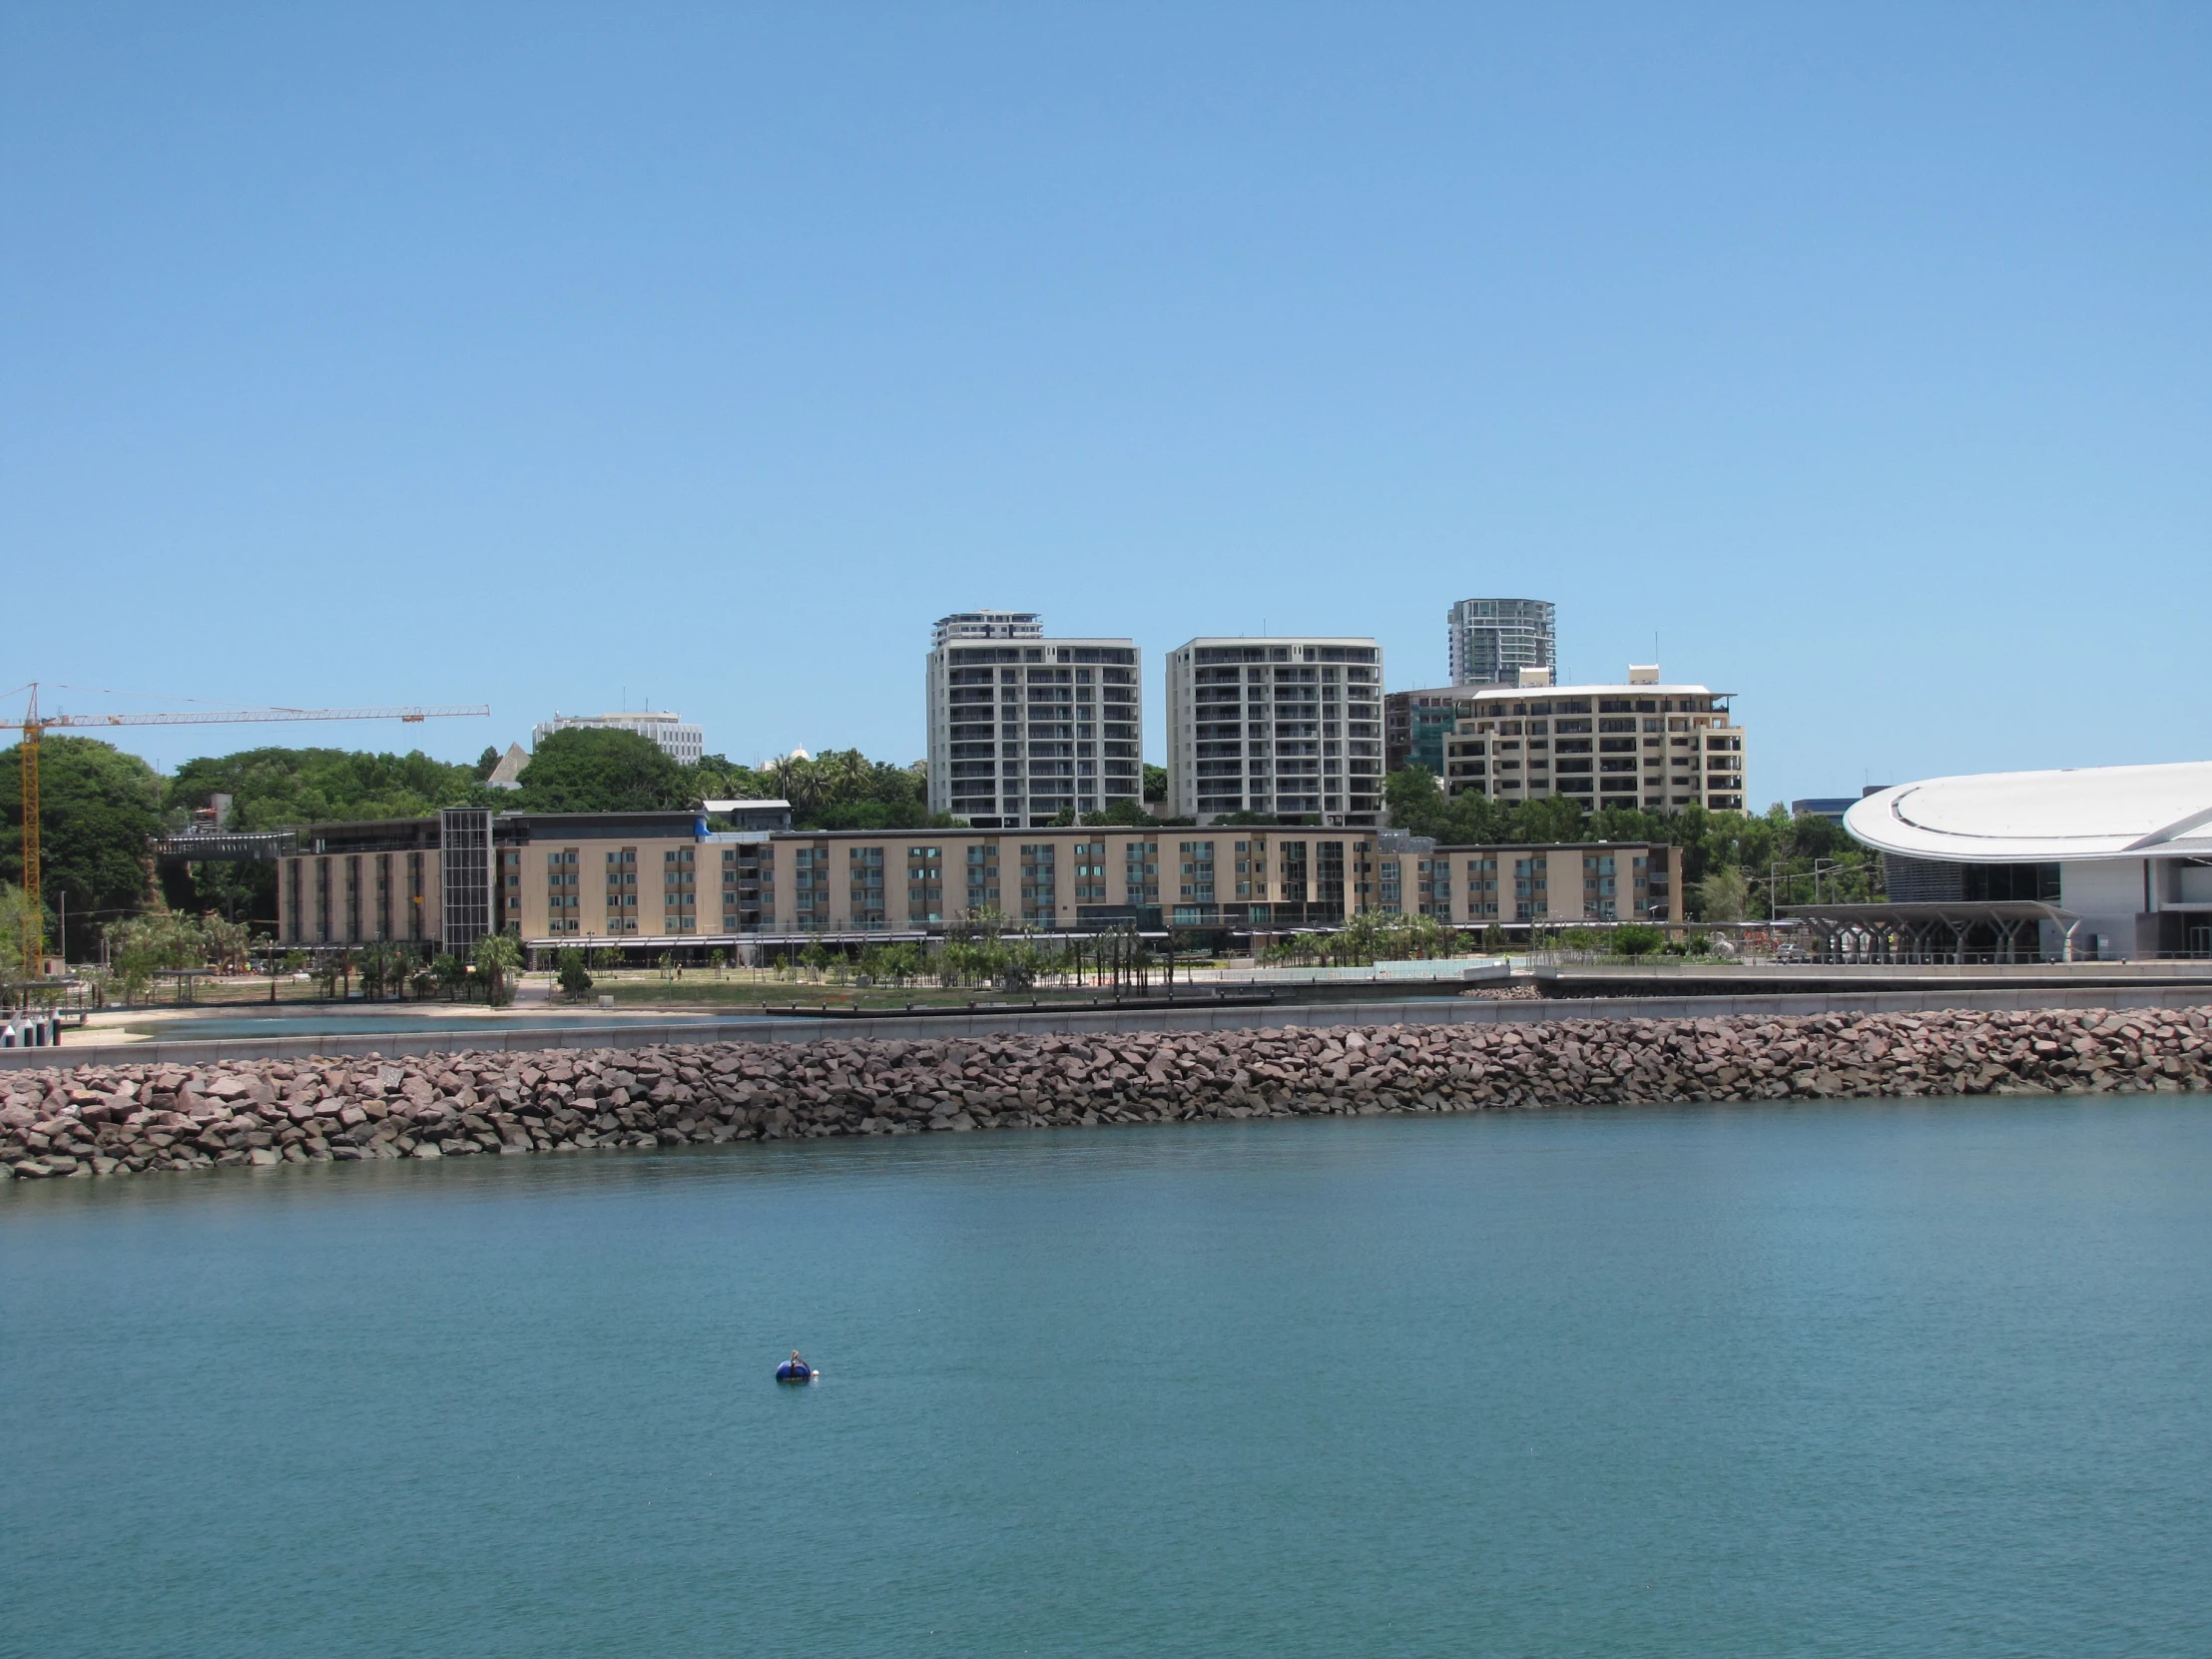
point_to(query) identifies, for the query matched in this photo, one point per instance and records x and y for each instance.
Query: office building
(1492, 640)
(1023, 728)
(1289, 728)
(681, 742)
(1656, 747)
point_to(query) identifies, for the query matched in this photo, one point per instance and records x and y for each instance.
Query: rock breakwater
(111, 1120)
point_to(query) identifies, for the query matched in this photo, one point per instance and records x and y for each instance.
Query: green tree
(1552, 817)
(602, 770)
(241, 890)
(223, 943)
(1155, 783)
(498, 957)
(381, 964)
(1125, 812)
(569, 967)
(1379, 937)
(141, 946)
(1414, 801)
(1724, 895)
(18, 912)
(1636, 939)
(276, 789)
(841, 788)
(98, 808)
(720, 779)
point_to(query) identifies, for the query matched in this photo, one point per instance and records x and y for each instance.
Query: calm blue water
(1852, 1380)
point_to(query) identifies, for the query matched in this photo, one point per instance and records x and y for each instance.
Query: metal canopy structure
(1936, 931)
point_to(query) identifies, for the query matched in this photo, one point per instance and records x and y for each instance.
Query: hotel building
(1023, 728)
(652, 880)
(1644, 744)
(1286, 727)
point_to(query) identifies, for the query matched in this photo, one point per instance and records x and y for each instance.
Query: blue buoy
(795, 1370)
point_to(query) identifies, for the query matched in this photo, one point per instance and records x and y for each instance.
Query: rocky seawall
(114, 1120)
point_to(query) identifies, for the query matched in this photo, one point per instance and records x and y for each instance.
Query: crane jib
(32, 945)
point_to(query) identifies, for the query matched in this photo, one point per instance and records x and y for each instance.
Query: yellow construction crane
(36, 725)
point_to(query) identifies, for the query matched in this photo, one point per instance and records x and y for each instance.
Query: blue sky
(553, 357)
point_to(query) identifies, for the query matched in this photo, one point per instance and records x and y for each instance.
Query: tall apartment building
(1492, 640)
(1643, 744)
(1287, 726)
(1023, 728)
(682, 743)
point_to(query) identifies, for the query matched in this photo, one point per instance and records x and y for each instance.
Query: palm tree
(497, 957)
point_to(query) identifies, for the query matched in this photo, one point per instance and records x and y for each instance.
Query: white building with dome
(2102, 863)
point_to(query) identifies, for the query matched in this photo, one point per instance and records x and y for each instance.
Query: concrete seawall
(144, 1116)
(638, 1032)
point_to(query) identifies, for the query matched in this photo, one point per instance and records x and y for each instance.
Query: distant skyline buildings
(679, 739)
(1491, 639)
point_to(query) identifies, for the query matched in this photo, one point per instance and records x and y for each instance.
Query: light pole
(1835, 866)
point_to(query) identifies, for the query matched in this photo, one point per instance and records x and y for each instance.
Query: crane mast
(33, 920)
(32, 945)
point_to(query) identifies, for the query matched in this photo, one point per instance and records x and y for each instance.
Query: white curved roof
(2042, 816)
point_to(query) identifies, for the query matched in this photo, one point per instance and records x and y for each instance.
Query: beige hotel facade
(652, 880)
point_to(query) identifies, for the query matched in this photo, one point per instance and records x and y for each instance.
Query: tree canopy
(98, 808)
(602, 770)
(1710, 842)
(276, 789)
(839, 789)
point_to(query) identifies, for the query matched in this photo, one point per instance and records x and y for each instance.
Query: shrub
(1637, 941)
(569, 967)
